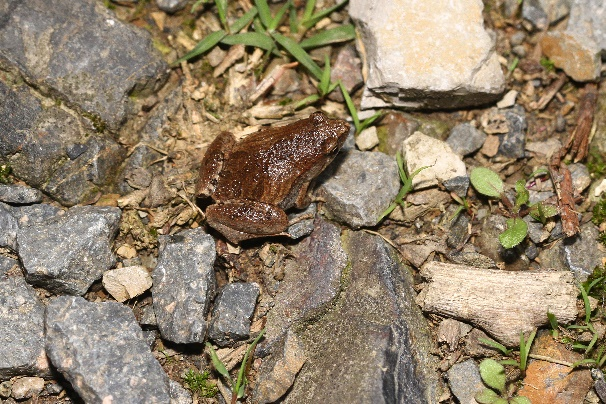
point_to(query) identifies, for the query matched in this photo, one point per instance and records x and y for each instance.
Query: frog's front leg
(244, 219)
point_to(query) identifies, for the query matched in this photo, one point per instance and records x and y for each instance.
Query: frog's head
(333, 131)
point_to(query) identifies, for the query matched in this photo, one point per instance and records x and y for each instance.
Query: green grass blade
(240, 382)
(368, 121)
(525, 348)
(496, 345)
(510, 362)
(587, 305)
(264, 12)
(250, 39)
(325, 79)
(299, 54)
(553, 321)
(387, 211)
(219, 366)
(401, 169)
(209, 42)
(350, 106)
(222, 11)
(293, 19)
(275, 21)
(594, 339)
(583, 362)
(309, 9)
(244, 20)
(313, 20)
(335, 35)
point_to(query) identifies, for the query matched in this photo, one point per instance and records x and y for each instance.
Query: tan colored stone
(126, 283)
(579, 57)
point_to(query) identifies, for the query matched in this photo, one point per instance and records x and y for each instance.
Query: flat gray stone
(21, 325)
(8, 227)
(514, 141)
(233, 310)
(68, 253)
(99, 348)
(36, 139)
(359, 186)
(376, 321)
(583, 253)
(171, 6)
(588, 18)
(542, 13)
(465, 381)
(427, 54)
(19, 194)
(28, 215)
(80, 52)
(184, 285)
(465, 139)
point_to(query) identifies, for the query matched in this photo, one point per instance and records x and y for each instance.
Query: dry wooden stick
(551, 92)
(579, 140)
(562, 182)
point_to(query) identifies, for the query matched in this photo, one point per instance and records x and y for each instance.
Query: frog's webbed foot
(240, 220)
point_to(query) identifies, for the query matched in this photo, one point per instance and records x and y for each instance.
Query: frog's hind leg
(240, 220)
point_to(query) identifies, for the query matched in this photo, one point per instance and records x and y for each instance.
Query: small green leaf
(250, 39)
(275, 21)
(298, 53)
(325, 79)
(520, 400)
(222, 11)
(311, 21)
(342, 33)
(350, 106)
(553, 321)
(309, 9)
(204, 45)
(541, 212)
(486, 182)
(368, 121)
(493, 374)
(510, 362)
(219, 366)
(522, 195)
(487, 396)
(515, 233)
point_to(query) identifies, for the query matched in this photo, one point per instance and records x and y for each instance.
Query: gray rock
(465, 139)
(99, 348)
(588, 18)
(465, 381)
(583, 253)
(536, 231)
(376, 321)
(84, 175)
(517, 38)
(359, 186)
(542, 13)
(67, 254)
(348, 69)
(94, 65)
(178, 395)
(21, 325)
(310, 283)
(35, 141)
(8, 227)
(171, 6)
(184, 285)
(303, 222)
(580, 177)
(233, 310)
(148, 317)
(28, 215)
(458, 231)
(513, 142)
(19, 194)
(458, 185)
(417, 62)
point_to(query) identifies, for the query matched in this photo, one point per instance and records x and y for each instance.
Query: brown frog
(254, 180)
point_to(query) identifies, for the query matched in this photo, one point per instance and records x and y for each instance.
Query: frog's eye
(317, 118)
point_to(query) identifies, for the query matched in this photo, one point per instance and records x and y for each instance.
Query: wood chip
(503, 303)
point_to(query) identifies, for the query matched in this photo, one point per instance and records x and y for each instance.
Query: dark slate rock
(21, 325)
(184, 285)
(171, 6)
(178, 394)
(76, 180)
(28, 215)
(19, 194)
(375, 338)
(94, 65)
(68, 253)
(465, 381)
(303, 222)
(8, 227)
(459, 185)
(35, 141)
(310, 283)
(359, 186)
(233, 310)
(458, 231)
(514, 141)
(465, 139)
(583, 252)
(99, 348)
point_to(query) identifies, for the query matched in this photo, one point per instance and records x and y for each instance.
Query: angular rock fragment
(99, 348)
(184, 285)
(233, 310)
(68, 253)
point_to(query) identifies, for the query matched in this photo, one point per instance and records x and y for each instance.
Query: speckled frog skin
(250, 183)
